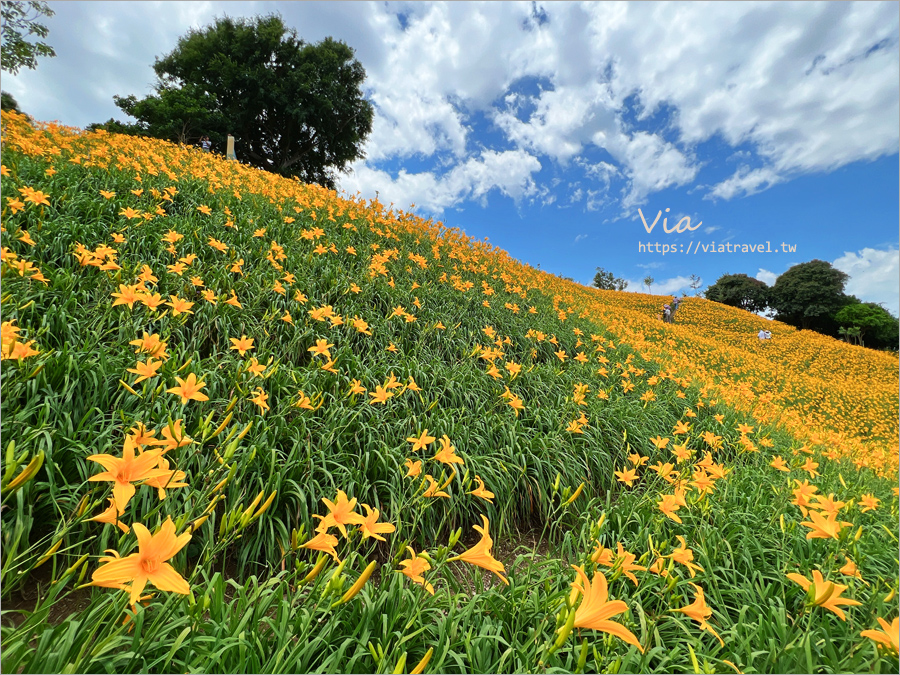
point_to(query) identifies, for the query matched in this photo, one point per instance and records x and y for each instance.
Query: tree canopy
(872, 321)
(739, 290)
(294, 108)
(809, 294)
(8, 102)
(19, 21)
(608, 282)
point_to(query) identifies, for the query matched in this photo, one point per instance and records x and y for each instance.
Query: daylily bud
(75, 566)
(231, 405)
(424, 662)
(454, 537)
(401, 665)
(204, 424)
(574, 495)
(320, 564)
(49, 554)
(222, 426)
(266, 505)
(357, 587)
(245, 430)
(27, 473)
(124, 384)
(564, 632)
(582, 657)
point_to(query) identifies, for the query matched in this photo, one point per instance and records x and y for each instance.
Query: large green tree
(19, 21)
(739, 290)
(294, 108)
(607, 281)
(808, 295)
(872, 321)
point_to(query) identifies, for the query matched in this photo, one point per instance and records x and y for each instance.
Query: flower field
(250, 425)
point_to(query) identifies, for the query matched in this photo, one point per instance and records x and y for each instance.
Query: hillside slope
(188, 338)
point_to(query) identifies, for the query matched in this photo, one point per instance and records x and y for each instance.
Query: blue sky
(545, 127)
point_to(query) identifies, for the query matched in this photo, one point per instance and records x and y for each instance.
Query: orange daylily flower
(670, 504)
(685, 556)
(825, 594)
(413, 568)
(242, 344)
(145, 370)
(480, 553)
(127, 295)
(323, 542)
(370, 527)
(126, 470)
(888, 637)
(259, 398)
(447, 453)
(170, 479)
(413, 468)
(824, 527)
(149, 564)
(627, 476)
(779, 464)
(340, 514)
(432, 489)
(179, 305)
(111, 516)
(321, 347)
(868, 502)
(481, 491)
(699, 612)
(595, 608)
(380, 395)
(189, 389)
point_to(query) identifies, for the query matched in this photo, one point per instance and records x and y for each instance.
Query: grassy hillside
(202, 364)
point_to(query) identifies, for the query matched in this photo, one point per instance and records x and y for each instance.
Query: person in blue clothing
(205, 144)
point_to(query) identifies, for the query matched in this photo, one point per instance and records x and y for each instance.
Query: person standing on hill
(667, 314)
(205, 144)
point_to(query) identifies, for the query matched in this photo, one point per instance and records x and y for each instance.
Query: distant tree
(115, 127)
(19, 21)
(294, 108)
(868, 320)
(809, 294)
(8, 102)
(608, 282)
(739, 290)
(696, 282)
(648, 282)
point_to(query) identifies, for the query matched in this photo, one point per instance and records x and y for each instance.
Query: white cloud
(874, 276)
(744, 182)
(507, 172)
(579, 237)
(766, 276)
(663, 287)
(802, 87)
(711, 229)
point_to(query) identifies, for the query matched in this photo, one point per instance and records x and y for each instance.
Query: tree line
(809, 296)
